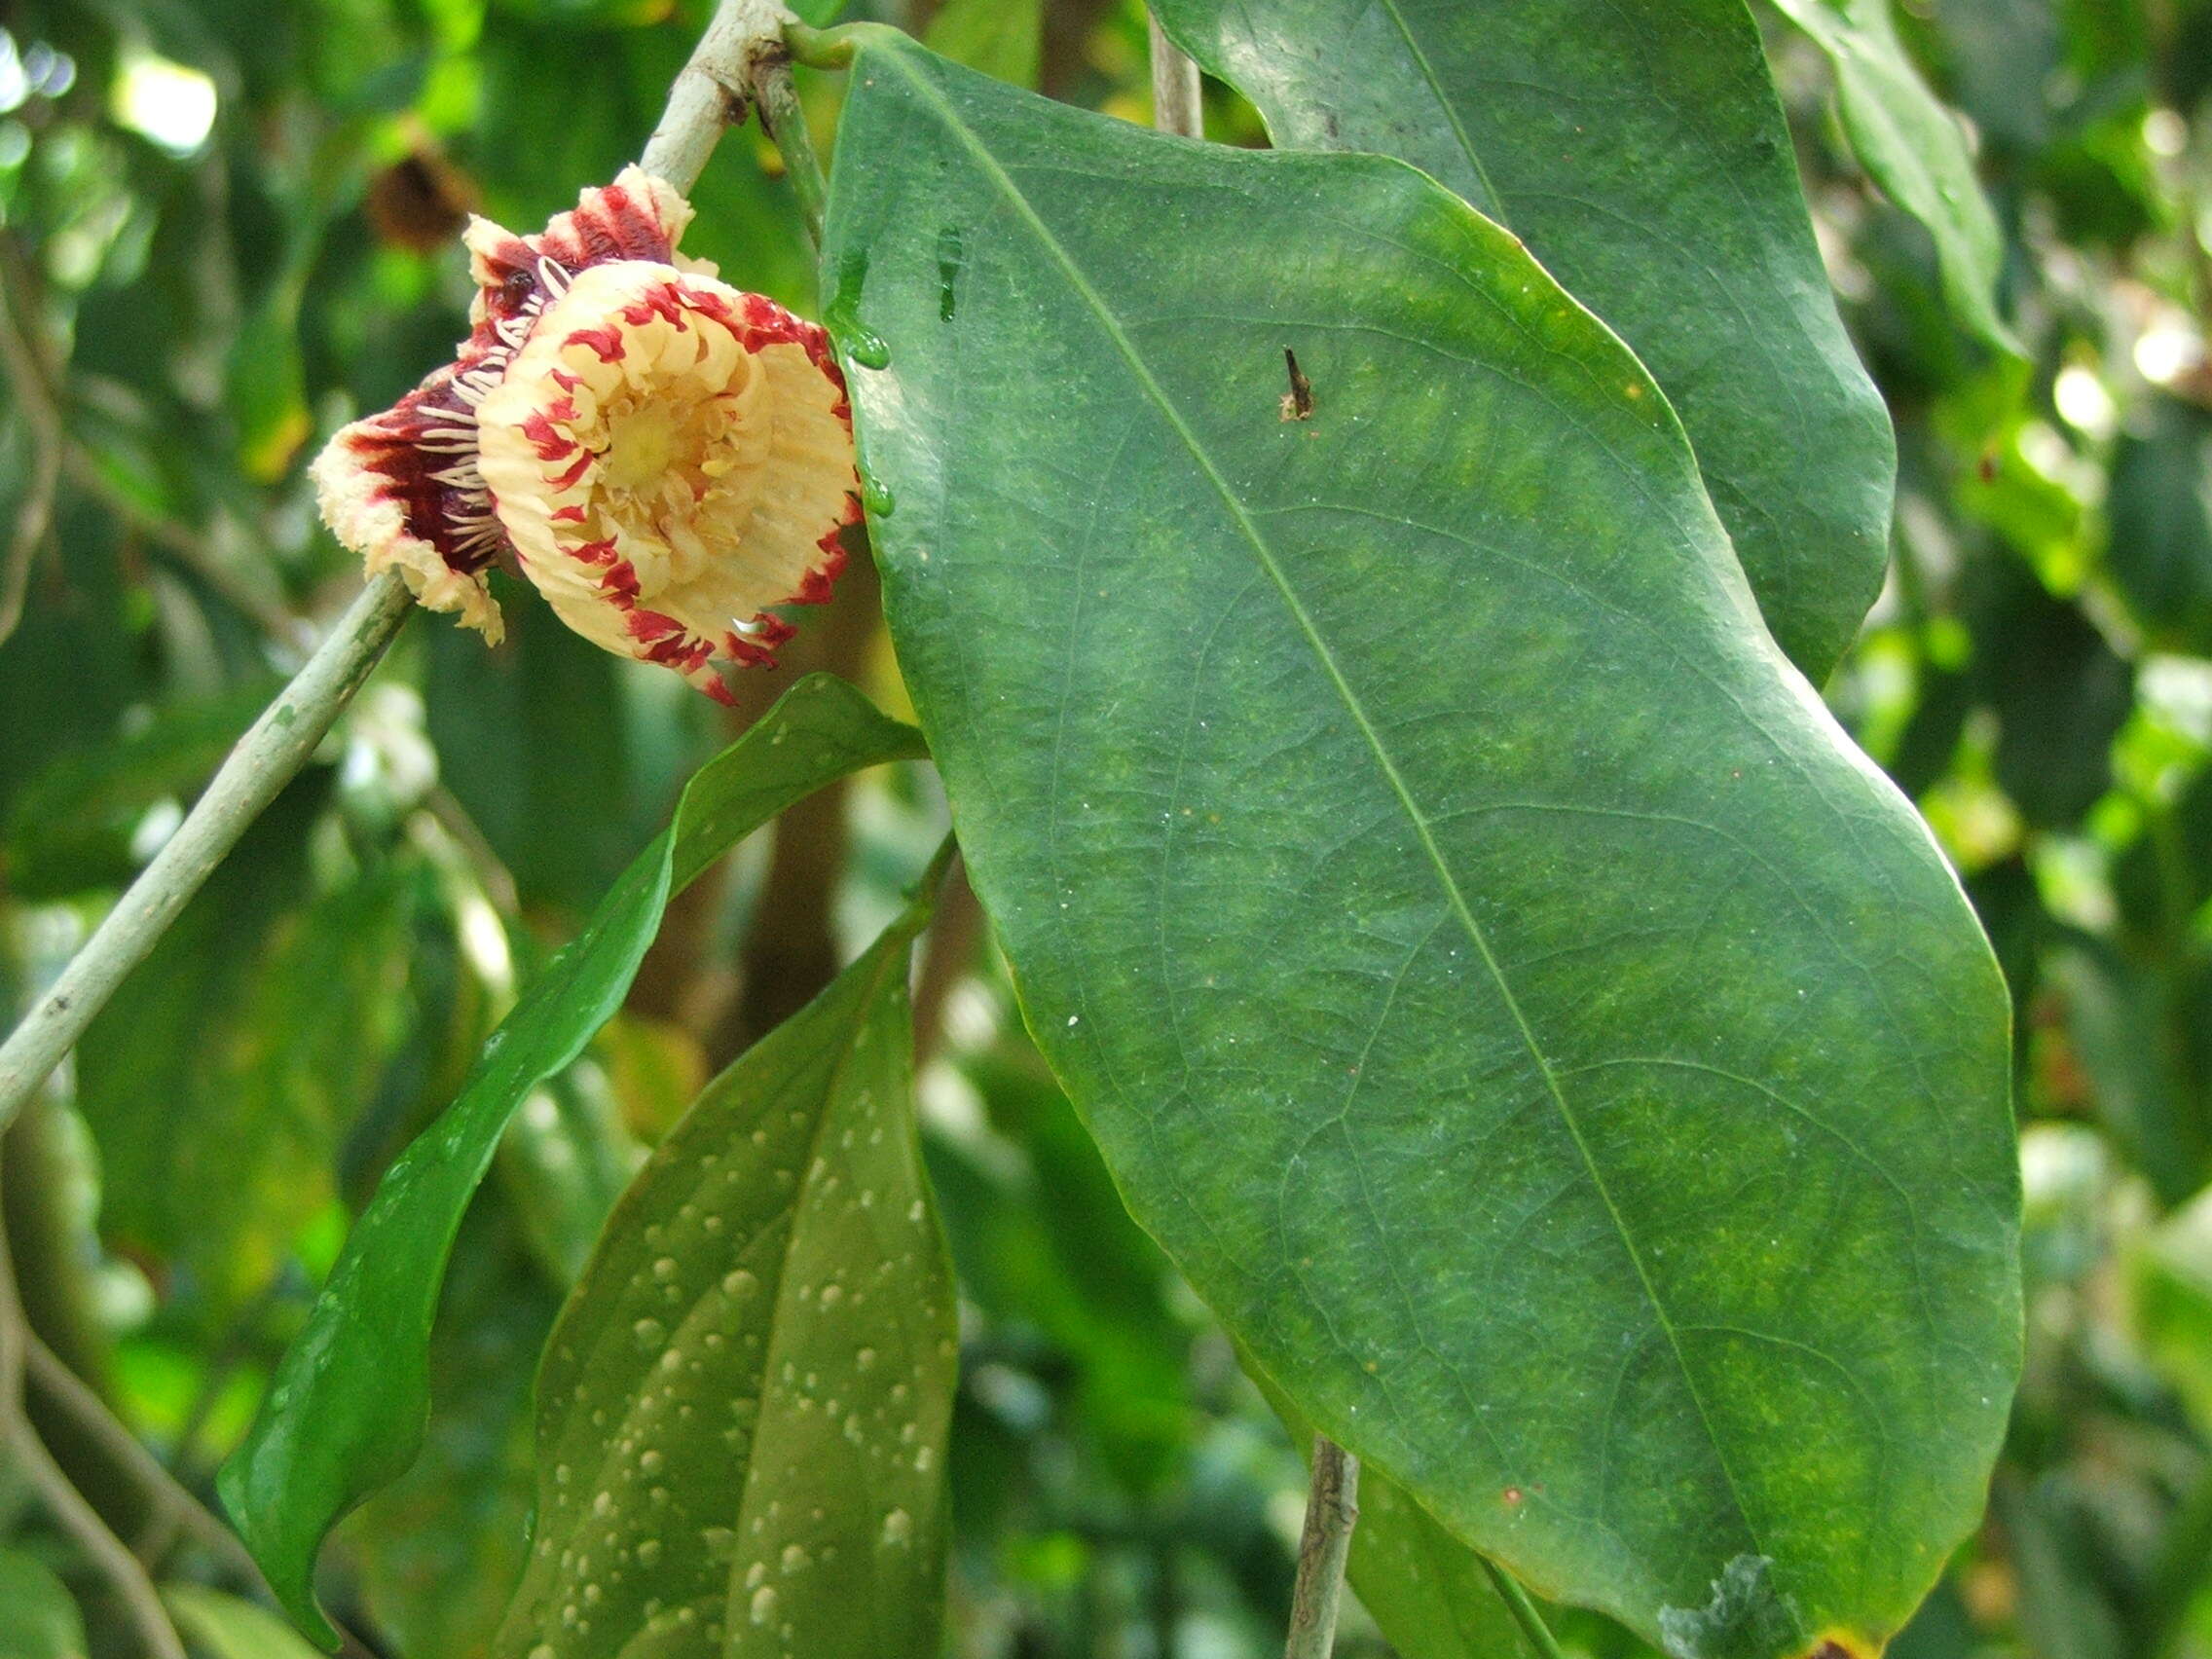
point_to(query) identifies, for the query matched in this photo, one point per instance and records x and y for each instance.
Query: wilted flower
(671, 456)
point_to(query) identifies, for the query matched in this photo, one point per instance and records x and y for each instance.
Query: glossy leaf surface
(1565, 1064)
(743, 1408)
(1914, 149)
(1639, 151)
(346, 1411)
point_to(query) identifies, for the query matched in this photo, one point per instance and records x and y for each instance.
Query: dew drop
(948, 262)
(650, 1333)
(739, 1282)
(796, 1559)
(898, 1528)
(763, 1605)
(664, 1270)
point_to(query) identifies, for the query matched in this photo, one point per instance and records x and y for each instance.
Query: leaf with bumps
(346, 1411)
(742, 1411)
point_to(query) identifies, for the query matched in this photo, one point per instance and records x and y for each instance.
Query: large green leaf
(344, 1414)
(1639, 150)
(1914, 149)
(742, 1411)
(1563, 1060)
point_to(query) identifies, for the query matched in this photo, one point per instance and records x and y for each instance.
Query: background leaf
(229, 1627)
(1482, 1080)
(37, 1618)
(1914, 149)
(743, 1408)
(344, 1414)
(1000, 37)
(1639, 150)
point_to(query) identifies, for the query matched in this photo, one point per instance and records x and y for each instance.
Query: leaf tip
(290, 1574)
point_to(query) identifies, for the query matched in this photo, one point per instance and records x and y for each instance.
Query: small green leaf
(742, 1411)
(440, 1550)
(37, 1618)
(1550, 1047)
(229, 1627)
(1639, 149)
(265, 385)
(1913, 148)
(344, 1413)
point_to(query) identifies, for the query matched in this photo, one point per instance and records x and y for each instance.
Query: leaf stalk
(1523, 1607)
(1332, 1508)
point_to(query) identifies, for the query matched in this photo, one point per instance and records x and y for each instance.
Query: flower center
(643, 451)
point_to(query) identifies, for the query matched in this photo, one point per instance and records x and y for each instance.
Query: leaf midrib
(1445, 105)
(1110, 324)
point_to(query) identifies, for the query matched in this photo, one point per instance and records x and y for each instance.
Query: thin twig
(122, 1569)
(174, 1504)
(267, 757)
(1332, 1507)
(28, 380)
(712, 89)
(34, 377)
(1523, 1607)
(1178, 98)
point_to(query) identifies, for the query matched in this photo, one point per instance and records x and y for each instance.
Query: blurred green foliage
(227, 225)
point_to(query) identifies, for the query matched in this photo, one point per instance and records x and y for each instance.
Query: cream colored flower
(670, 458)
(401, 488)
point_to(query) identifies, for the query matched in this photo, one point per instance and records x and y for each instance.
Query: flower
(669, 457)
(401, 488)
